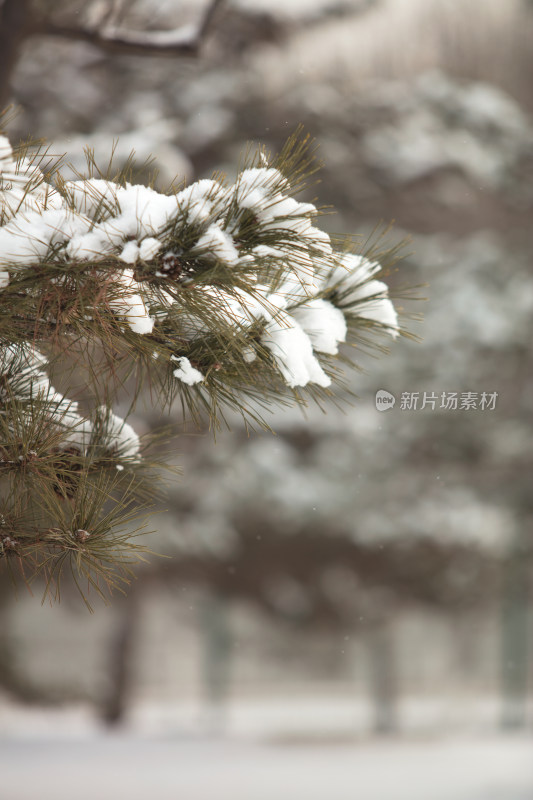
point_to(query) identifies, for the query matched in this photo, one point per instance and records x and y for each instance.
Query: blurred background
(346, 610)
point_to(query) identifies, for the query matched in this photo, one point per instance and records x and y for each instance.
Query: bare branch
(183, 41)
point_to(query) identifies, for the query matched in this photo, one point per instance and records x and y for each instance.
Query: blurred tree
(23, 19)
(516, 627)
(215, 628)
(282, 532)
(121, 659)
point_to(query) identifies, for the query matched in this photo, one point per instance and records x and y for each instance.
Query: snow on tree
(221, 295)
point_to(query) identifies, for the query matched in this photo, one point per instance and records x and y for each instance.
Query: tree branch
(182, 41)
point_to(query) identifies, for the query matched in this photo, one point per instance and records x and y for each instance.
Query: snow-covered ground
(173, 768)
(265, 755)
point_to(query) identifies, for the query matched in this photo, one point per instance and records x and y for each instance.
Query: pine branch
(219, 296)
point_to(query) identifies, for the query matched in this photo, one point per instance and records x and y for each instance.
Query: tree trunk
(121, 661)
(516, 635)
(15, 24)
(383, 678)
(217, 646)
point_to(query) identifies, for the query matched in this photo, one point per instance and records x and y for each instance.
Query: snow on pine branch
(245, 257)
(24, 380)
(218, 291)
